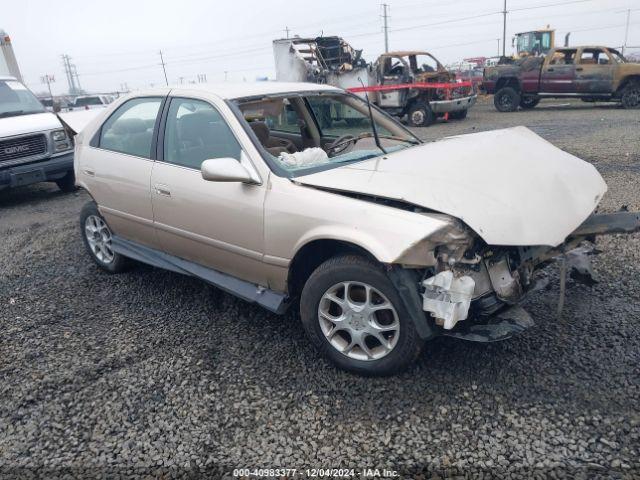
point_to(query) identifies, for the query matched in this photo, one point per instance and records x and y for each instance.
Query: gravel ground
(150, 372)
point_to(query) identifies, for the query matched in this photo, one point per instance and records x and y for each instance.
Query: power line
(164, 69)
(549, 5)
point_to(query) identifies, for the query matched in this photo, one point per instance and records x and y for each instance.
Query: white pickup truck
(35, 146)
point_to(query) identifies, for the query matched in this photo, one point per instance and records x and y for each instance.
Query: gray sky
(117, 42)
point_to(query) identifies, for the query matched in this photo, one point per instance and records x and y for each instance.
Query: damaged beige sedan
(298, 194)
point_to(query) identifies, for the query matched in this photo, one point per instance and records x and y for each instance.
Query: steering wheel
(340, 144)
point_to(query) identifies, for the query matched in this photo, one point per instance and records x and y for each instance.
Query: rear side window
(130, 129)
(594, 56)
(196, 132)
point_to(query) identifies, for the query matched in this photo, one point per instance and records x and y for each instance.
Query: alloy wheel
(417, 117)
(358, 321)
(505, 102)
(98, 237)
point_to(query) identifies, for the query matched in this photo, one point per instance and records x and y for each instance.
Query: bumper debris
(504, 325)
(448, 298)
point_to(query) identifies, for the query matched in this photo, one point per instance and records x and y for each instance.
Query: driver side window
(196, 132)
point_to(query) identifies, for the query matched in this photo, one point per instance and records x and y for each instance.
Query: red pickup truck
(590, 73)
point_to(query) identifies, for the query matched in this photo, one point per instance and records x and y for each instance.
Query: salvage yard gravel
(153, 373)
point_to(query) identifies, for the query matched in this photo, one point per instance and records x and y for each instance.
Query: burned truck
(411, 83)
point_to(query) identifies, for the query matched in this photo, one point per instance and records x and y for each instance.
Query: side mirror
(225, 170)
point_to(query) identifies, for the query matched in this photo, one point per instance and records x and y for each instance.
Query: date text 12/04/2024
(315, 473)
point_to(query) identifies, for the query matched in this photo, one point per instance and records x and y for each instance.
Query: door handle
(163, 190)
(549, 69)
(89, 172)
(579, 69)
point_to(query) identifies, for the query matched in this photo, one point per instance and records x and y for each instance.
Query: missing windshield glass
(321, 129)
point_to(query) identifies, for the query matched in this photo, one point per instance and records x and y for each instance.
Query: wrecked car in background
(411, 83)
(384, 241)
(591, 73)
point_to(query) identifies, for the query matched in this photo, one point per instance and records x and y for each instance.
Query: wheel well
(312, 255)
(627, 80)
(508, 82)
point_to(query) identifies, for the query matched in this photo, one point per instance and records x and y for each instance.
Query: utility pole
(286, 29)
(385, 17)
(504, 29)
(164, 69)
(48, 79)
(498, 47)
(72, 75)
(225, 75)
(626, 32)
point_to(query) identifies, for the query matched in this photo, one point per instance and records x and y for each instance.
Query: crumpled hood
(510, 186)
(22, 124)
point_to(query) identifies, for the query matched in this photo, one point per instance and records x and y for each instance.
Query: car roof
(7, 77)
(405, 53)
(574, 47)
(230, 90)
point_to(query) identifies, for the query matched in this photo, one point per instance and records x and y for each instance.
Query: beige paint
(253, 230)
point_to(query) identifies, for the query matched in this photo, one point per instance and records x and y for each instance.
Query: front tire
(353, 314)
(506, 99)
(97, 236)
(630, 98)
(67, 183)
(420, 115)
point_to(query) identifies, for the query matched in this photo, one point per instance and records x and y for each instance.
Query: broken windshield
(320, 130)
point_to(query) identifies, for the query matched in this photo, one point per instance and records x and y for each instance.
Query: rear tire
(506, 100)
(368, 286)
(528, 102)
(67, 183)
(420, 115)
(96, 236)
(630, 98)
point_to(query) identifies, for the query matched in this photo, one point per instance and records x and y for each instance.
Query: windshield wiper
(373, 124)
(399, 139)
(11, 114)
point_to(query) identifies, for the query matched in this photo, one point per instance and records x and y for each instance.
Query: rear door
(559, 72)
(117, 165)
(594, 72)
(215, 224)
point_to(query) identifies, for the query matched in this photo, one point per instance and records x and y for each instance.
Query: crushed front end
(473, 290)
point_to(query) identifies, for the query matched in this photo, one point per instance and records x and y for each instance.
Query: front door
(594, 72)
(392, 71)
(215, 224)
(559, 73)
